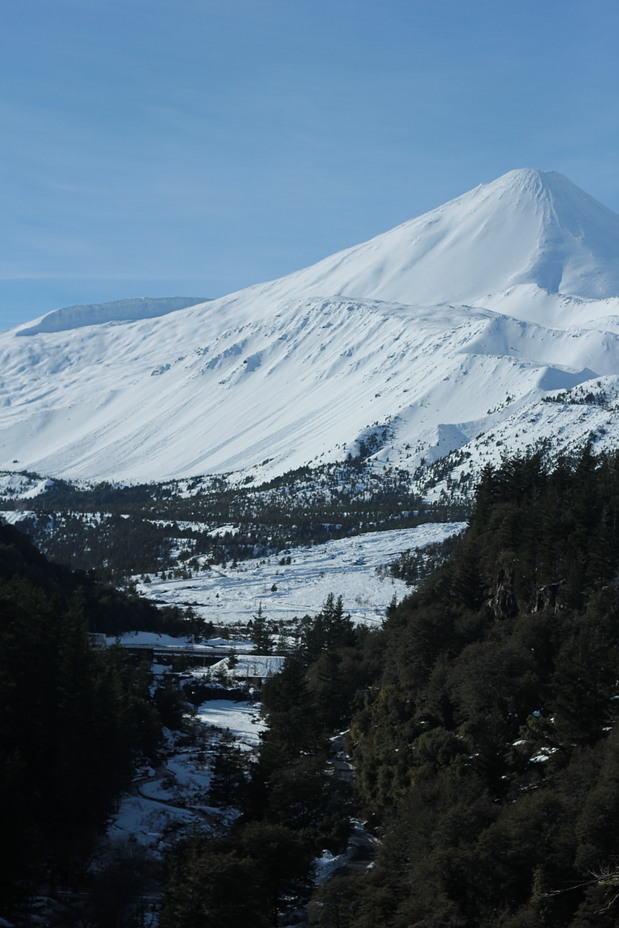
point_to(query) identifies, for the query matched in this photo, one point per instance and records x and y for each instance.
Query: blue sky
(194, 147)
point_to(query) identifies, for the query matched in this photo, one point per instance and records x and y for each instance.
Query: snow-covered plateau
(450, 327)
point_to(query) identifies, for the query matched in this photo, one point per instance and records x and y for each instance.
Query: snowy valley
(249, 458)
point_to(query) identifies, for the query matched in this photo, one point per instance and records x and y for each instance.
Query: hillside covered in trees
(487, 749)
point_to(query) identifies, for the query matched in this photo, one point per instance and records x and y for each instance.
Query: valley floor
(172, 799)
(352, 568)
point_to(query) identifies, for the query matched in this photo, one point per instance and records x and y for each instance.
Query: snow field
(242, 719)
(350, 567)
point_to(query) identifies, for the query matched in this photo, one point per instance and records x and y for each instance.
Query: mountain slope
(409, 345)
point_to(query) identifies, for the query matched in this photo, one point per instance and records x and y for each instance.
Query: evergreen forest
(487, 747)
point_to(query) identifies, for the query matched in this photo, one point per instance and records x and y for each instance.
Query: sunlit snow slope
(409, 345)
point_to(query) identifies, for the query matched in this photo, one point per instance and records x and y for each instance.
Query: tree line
(119, 531)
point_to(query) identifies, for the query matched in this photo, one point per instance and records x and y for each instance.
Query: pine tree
(260, 633)
(228, 784)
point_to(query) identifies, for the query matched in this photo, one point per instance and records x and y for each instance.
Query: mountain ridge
(83, 314)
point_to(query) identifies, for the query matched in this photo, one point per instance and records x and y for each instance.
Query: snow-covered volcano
(527, 227)
(407, 346)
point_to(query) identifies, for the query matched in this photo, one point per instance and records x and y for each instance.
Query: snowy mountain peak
(577, 247)
(531, 188)
(526, 227)
(532, 180)
(402, 349)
